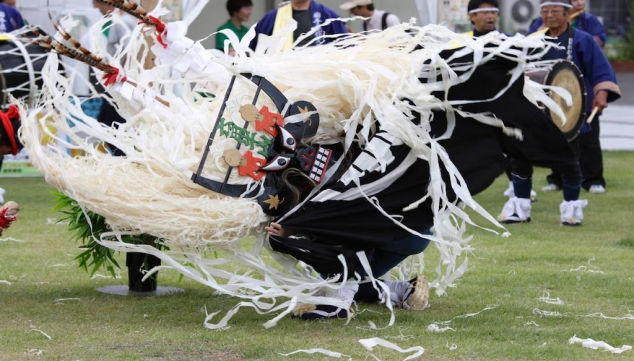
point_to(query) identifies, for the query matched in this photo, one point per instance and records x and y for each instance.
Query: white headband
(482, 10)
(555, 3)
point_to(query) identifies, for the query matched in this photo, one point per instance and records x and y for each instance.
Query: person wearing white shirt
(377, 19)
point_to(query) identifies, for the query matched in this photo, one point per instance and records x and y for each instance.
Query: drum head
(566, 75)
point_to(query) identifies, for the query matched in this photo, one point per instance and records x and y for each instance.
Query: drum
(566, 75)
(21, 66)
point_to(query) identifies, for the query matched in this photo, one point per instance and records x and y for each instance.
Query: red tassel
(8, 126)
(111, 78)
(160, 29)
(5, 221)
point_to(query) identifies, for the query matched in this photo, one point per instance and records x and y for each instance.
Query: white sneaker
(516, 210)
(510, 192)
(597, 189)
(572, 212)
(550, 187)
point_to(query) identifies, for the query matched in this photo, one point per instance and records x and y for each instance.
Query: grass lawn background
(590, 268)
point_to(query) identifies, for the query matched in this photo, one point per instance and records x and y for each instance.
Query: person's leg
(518, 209)
(391, 254)
(510, 191)
(411, 294)
(571, 209)
(553, 181)
(591, 159)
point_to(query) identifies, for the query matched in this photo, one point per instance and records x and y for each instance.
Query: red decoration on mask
(252, 168)
(268, 122)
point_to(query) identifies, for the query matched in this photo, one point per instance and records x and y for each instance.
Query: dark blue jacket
(10, 19)
(318, 13)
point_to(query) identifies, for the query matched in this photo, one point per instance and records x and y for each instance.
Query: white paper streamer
(601, 315)
(11, 239)
(596, 345)
(33, 328)
(537, 311)
(551, 301)
(62, 300)
(443, 326)
(319, 351)
(371, 343)
(585, 269)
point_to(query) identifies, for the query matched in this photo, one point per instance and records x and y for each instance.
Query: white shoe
(597, 189)
(516, 210)
(2, 191)
(550, 187)
(572, 212)
(510, 192)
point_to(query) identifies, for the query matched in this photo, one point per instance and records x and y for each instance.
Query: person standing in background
(579, 19)
(579, 47)
(483, 15)
(377, 19)
(239, 13)
(309, 15)
(10, 18)
(591, 157)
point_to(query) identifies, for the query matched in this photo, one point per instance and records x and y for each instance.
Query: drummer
(601, 88)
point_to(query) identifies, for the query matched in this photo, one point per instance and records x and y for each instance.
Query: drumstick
(592, 115)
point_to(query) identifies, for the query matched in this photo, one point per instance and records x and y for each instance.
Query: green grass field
(590, 268)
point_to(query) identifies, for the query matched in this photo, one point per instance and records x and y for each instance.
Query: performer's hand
(276, 229)
(600, 100)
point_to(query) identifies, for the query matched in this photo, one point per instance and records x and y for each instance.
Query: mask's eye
(288, 141)
(278, 163)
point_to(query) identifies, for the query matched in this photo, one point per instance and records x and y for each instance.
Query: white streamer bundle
(357, 82)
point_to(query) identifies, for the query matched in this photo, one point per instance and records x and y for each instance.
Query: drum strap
(571, 34)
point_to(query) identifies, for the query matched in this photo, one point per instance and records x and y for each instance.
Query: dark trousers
(570, 172)
(590, 159)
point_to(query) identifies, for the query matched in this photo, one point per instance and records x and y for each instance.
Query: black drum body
(21, 66)
(564, 74)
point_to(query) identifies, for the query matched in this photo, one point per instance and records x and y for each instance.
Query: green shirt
(220, 38)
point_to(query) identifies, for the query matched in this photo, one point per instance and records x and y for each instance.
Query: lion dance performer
(347, 151)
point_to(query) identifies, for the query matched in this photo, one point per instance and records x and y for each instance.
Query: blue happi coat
(319, 15)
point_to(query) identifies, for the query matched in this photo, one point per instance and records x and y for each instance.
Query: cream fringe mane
(355, 83)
